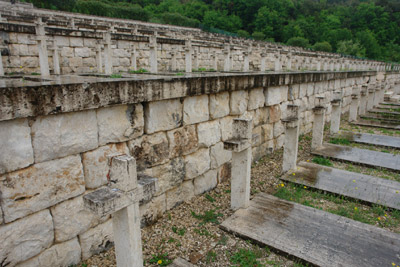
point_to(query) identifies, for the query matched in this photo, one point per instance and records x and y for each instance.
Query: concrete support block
(42, 48)
(108, 53)
(291, 142)
(1, 66)
(318, 127)
(188, 56)
(353, 107)
(153, 54)
(363, 100)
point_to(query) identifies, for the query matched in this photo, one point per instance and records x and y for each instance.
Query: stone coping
(26, 95)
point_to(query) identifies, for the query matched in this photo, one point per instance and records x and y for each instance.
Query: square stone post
(354, 104)
(188, 55)
(289, 62)
(291, 138)
(56, 57)
(263, 66)
(240, 145)
(133, 57)
(99, 59)
(319, 121)
(42, 48)
(1, 65)
(246, 63)
(370, 103)
(336, 112)
(121, 200)
(227, 55)
(363, 100)
(153, 53)
(107, 53)
(377, 95)
(277, 63)
(214, 57)
(195, 60)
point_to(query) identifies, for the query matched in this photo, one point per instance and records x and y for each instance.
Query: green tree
(298, 41)
(258, 35)
(349, 47)
(368, 41)
(322, 46)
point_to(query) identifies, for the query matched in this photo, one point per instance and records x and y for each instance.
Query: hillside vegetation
(363, 28)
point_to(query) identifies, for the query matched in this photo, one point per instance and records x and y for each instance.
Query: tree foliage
(369, 28)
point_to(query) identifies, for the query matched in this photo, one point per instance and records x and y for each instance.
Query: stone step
(395, 99)
(179, 262)
(385, 112)
(376, 123)
(387, 96)
(396, 105)
(316, 236)
(360, 156)
(370, 139)
(371, 116)
(355, 185)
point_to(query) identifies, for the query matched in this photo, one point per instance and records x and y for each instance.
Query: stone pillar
(289, 62)
(121, 200)
(363, 100)
(153, 54)
(263, 66)
(1, 65)
(195, 60)
(354, 104)
(188, 55)
(319, 63)
(56, 58)
(318, 126)
(227, 63)
(133, 58)
(277, 63)
(370, 103)
(291, 138)
(42, 48)
(240, 145)
(215, 61)
(246, 66)
(336, 112)
(108, 53)
(99, 60)
(377, 95)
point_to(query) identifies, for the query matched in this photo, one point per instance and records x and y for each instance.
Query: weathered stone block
(219, 155)
(169, 175)
(224, 172)
(278, 129)
(29, 62)
(256, 98)
(120, 123)
(75, 62)
(205, 182)
(40, 186)
(71, 218)
(209, 133)
(219, 105)
(195, 109)
(58, 136)
(64, 254)
(162, 115)
(279, 141)
(267, 131)
(150, 150)
(96, 165)
(275, 95)
(238, 102)
(197, 163)
(25, 238)
(274, 113)
(74, 42)
(153, 210)
(180, 194)
(67, 52)
(182, 141)
(226, 128)
(82, 52)
(15, 142)
(96, 240)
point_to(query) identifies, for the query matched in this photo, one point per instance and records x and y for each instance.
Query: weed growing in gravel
(210, 198)
(160, 259)
(246, 257)
(202, 232)
(322, 161)
(223, 240)
(211, 256)
(138, 71)
(179, 231)
(208, 216)
(339, 141)
(116, 76)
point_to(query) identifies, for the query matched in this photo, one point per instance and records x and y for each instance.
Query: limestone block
(67, 52)
(293, 91)
(226, 128)
(310, 89)
(278, 129)
(71, 218)
(40, 186)
(256, 98)
(180, 194)
(61, 135)
(205, 182)
(26, 39)
(150, 150)
(195, 109)
(267, 132)
(96, 240)
(120, 53)
(209, 133)
(25, 238)
(120, 123)
(162, 115)
(274, 113)
(124, 62)
(33, 50)
(15, 142)
(96, 166)
(64, 254)
(62, 41)
(89, 62)
(219, 105)
(82, 52)
(238, 102)
(219, 155)
(152, 210)
(257, 137)
(75, 62)
(29, 62)
(224, 172)
(279, 141)
(182, 141)
(303, 90)
(169, 175)
(75, 42)
(275, 95)
(197, 163)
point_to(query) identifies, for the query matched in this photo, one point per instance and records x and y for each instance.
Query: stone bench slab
(371, 139)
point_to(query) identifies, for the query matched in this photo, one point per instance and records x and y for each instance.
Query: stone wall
(55, 139)
(85, 44)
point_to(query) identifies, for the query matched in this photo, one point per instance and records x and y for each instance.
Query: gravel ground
(179, 233)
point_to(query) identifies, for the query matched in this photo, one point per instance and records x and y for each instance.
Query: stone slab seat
(355, 185)
(374, 123)
(370, 139)
(316, 236)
